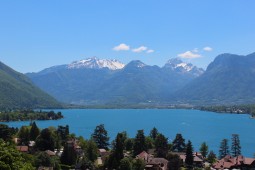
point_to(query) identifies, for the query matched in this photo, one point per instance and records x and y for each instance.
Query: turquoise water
(197, 126)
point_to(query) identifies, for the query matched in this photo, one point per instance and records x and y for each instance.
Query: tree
(189, 155)
(118, 147)
(235, 147)
(24, 135)
(125, 164)
(34, 131)
(69, 155)
(11, 158)
(154, 133)
(204, 149)
(101, 138)
(46, 140)
(149, 142)
(224, 149)
(5, 132)
(211, 157)
(178, 143)
(161, 146)
(138, 164)
(43, 159)
(129, 144)
(174, 161)
(139, 143)
(91, 151)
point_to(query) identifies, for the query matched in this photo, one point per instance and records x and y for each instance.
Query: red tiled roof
(22, 148)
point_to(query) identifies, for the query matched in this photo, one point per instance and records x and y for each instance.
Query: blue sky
(39, 34)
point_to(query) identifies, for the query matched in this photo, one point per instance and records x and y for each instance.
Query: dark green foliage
(23, 115)
(34, 131)
(46, 140)
(139, 143)
(17, 91)
(204, 149)
(69, 155)
(179, 144)
(91, 151)
(211, 157)
(189, 155)
(6, 132)
(101, 138)
(63, 132)
(161, 146)
(154, 133)
(43, 159)
(149, 142)
(129, 144)
(224, 148)
(118, 147)
(236, 146)
(174, 162)
(125, 164)
(24, 135)
(11, 159)
(138, 164)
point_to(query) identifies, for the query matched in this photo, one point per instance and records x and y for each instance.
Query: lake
(197, 126)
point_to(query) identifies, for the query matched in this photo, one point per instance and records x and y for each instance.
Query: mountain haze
(229, 79)
(100, 81)
(17, 91)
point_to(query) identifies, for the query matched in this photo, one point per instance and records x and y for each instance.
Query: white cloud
(121, 47)
(150, 51)
(140, 49)
(207, 49)
(189, 54)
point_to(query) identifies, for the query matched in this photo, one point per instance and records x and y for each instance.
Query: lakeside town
(55, 148)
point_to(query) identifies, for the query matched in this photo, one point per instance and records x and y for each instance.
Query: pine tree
(235, 147)
(101, 138)
(189, 155)
(34, 132)
(178, 143)
(211, 157)
(204, 149)
(224, 149)
(161, 146)
(139, 143)
(118, 147)
(154, 133)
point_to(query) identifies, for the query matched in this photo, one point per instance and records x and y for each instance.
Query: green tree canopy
(139, 143)
(204, 149)
(236, 146)
(34, 131)
(224, 148)
(125, 164)
(161, 146)
(179, 143)
(101, 138)
(174, 161)
(46, 140)
(154, 133)
(189, 155)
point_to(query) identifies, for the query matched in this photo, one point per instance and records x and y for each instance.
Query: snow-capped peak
(96, 63)
(178, 65)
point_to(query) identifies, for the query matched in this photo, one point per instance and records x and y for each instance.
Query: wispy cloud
(140, 49)
(207, 49)
(150, 51)
(189, 54)
(121, 47)
(195, 50)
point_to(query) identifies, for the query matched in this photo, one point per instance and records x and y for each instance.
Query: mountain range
(96, 81)
(17, 91)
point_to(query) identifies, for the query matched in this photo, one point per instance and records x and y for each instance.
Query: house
(198, 160)
(144, 156)
(23, 149)
(156, 164)
(239, 162)
(50, 153)
(151, 162)
(102, 155)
